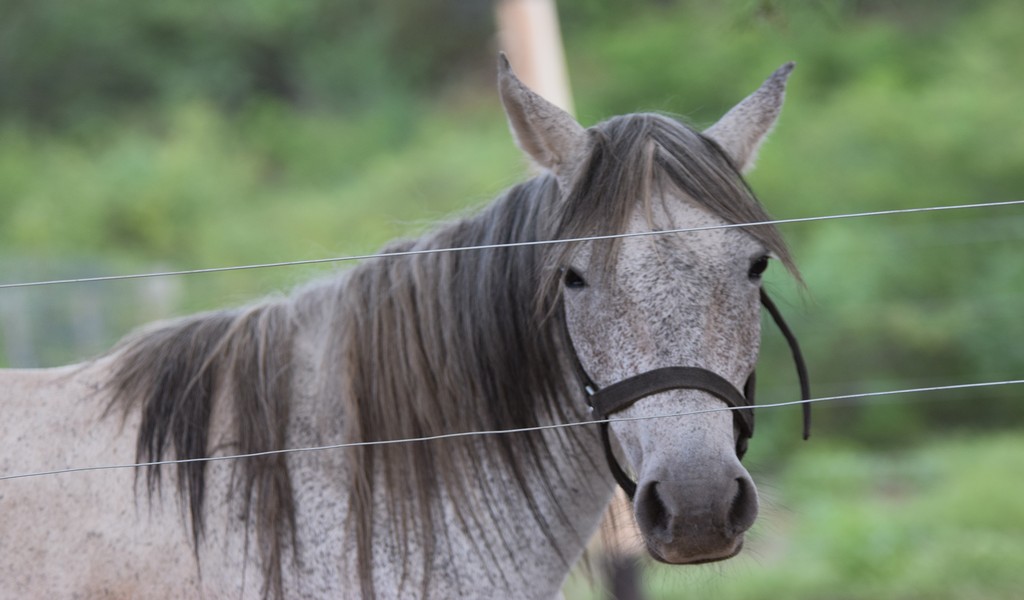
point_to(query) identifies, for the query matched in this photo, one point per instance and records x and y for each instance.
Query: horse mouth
(700, 558)
(678, 533)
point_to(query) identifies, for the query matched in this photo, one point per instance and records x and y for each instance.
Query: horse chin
(683, 556)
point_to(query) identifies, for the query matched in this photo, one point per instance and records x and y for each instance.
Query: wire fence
(464, 434)
(318, 261)
(857, 396)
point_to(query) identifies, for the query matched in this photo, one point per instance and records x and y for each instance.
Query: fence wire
(338, 259)
(464, 434)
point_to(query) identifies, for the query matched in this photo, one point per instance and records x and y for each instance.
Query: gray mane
(421, 345)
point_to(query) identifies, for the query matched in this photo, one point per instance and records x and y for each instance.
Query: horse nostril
(651, 513)
(743, 510)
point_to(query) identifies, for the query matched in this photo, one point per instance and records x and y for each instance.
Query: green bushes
(62, 62)
(941, 521)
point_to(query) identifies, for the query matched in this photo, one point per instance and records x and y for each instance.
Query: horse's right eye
(757, 267)
(573, 279)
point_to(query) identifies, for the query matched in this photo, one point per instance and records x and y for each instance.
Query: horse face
(687, 299)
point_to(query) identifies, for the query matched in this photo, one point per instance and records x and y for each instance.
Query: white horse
(422, 344)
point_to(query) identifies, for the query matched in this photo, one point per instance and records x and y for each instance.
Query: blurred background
(148, 136)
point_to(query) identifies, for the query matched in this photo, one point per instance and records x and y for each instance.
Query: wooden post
(529, 33)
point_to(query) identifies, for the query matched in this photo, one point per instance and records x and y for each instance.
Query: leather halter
(618, 396)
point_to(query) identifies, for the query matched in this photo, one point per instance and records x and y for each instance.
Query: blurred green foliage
(940, 521)
(185, 134)
(64, 61)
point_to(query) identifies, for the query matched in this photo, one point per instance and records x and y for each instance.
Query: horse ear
(548, 134)
(742, 129)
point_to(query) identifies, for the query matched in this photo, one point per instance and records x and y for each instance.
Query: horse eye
(758, 267)
(573, 279)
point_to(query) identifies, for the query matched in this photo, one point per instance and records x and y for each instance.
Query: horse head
(649, 304)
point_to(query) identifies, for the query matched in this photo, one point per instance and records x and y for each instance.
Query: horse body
(97, 535)
(411, 346)
(67, 538)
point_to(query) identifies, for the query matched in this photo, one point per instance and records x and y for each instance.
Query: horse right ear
(548, 134)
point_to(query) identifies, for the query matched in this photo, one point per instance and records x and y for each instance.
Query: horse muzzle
(696, 522)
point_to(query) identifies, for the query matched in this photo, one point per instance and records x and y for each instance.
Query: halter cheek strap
(623, 394)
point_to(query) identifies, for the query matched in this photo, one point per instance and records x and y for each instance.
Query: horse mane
(455, 342)
(423, 345)
(176, 372)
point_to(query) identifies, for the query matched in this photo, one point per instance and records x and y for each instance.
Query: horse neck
(495, 500)
(548, 513)
(434, 344)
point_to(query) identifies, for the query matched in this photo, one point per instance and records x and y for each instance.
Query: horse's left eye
(758, 267)
(573, 279)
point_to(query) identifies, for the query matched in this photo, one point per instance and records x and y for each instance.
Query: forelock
(632, 157)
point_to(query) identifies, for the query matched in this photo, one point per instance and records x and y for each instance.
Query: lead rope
(798, 358)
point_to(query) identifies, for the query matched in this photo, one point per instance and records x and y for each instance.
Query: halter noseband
(623, 394)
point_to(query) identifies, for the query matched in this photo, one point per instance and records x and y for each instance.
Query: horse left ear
(742, 129)
(548, 134)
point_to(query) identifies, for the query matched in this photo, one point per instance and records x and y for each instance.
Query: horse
(512, 332)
